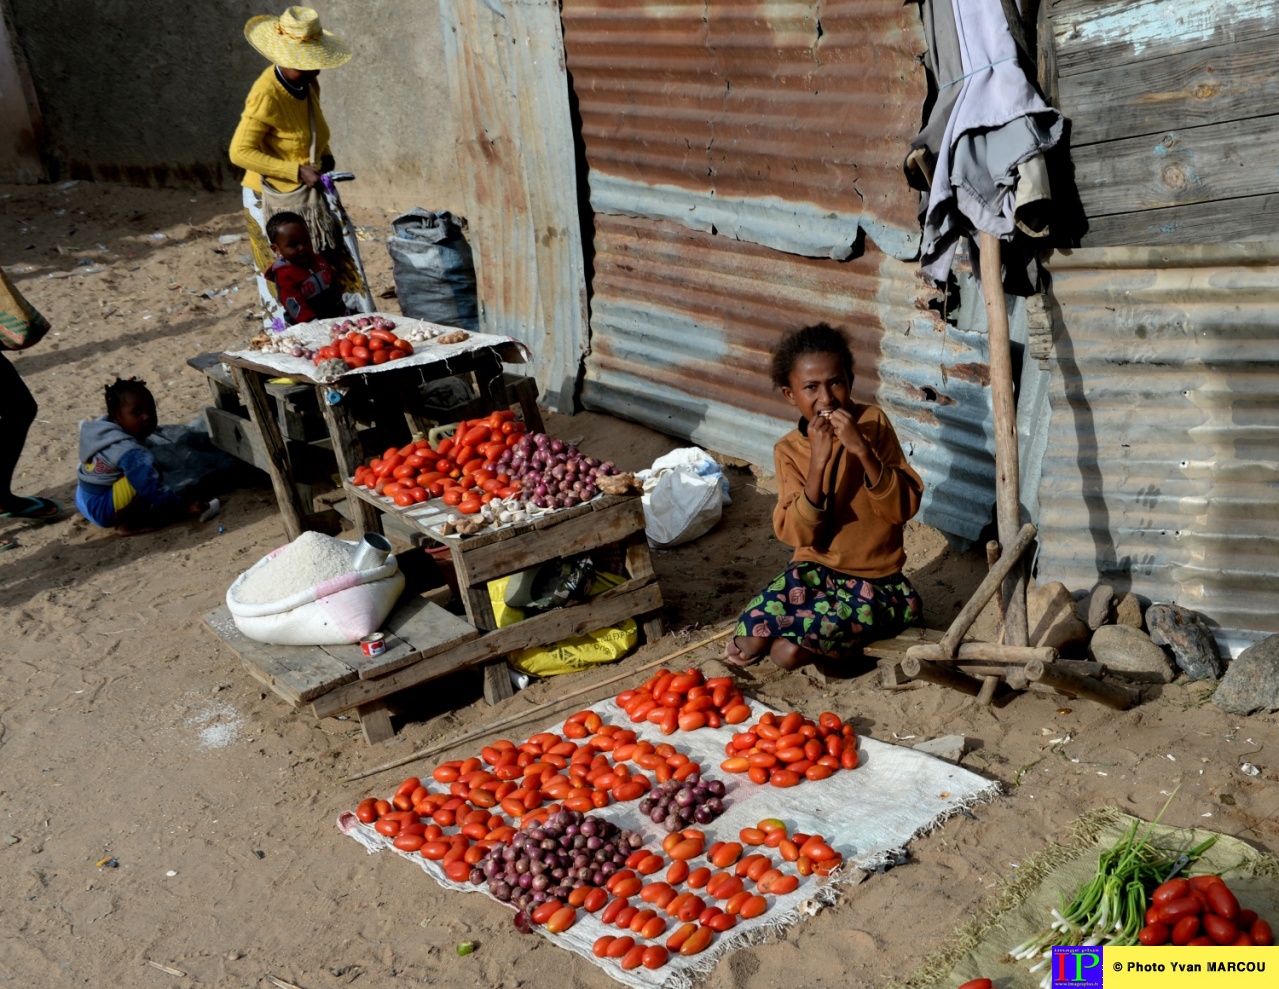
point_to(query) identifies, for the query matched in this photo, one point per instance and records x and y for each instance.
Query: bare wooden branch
(1054, 675)
(983, 652)
(945, 676)
(1009, 557)
(1007, 469)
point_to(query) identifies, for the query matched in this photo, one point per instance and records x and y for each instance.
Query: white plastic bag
(339, 611)
(684, 496)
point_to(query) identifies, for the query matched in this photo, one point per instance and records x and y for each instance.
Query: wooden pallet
(417, 630)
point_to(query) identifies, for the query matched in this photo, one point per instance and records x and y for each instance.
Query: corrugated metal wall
(746, 180)
(1162, 468)
(505, 60)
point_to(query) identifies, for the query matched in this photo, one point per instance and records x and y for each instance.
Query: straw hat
(295, 40)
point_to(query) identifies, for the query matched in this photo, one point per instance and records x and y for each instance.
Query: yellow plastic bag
(572, 654)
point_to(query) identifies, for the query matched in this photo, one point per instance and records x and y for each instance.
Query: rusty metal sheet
(684, 324)
(780, 122)
(1163, 455)
(505, 62)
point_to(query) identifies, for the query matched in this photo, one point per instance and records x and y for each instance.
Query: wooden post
(989, 685)
(349, 453)
(1067, 681)
(993, 552)
(497, 681)
(1007, 470)
(253, 394)
(375, 722)
(639, 565)
(919, 669)
(986, 589)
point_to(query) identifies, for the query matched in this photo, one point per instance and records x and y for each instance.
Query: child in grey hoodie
(118, 482)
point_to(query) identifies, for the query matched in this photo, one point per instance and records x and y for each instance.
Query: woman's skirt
(830, 613)
(345, 259)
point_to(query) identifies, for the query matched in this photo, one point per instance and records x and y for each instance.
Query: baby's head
(814, 369)
(131, 406)
(289, 237)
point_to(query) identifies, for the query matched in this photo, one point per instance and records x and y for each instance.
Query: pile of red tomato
(360, 349)
(685, 702)
(788, 751)
(519, 782)
(461, 470)
(1201, 911)
(724, 880)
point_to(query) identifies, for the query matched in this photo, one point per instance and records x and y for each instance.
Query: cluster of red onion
(549, 861)
(361, 325)
(552, 473)
(677, 804)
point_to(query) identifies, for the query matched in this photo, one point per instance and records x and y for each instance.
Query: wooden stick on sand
(533, 712)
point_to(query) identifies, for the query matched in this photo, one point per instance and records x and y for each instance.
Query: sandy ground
(127, 730)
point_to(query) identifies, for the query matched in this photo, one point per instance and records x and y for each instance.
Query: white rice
(310, 559)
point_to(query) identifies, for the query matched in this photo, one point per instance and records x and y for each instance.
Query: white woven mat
(867, 814)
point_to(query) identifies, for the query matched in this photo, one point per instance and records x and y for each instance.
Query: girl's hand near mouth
(845, 430)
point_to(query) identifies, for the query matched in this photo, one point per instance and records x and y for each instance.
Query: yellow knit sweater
(274, 135)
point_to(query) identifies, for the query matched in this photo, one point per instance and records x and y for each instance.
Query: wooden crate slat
(417, 629)
(297, 673)
(541, 630)
(576, 535)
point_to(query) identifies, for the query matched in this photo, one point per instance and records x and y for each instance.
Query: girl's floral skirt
(830, 613)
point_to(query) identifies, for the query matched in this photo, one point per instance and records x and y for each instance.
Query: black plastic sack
(433, 268)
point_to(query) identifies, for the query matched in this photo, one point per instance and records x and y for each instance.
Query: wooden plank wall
(1174, 110)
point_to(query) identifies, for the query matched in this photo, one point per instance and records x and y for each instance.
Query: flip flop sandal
(37, 509)
(8, 544)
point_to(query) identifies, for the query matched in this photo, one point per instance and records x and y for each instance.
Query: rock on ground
(948, 747)
(1251, 685)
(1128, 611)
(1053, 620)
(1129, 653)
(1097, 606)
(1186, 634)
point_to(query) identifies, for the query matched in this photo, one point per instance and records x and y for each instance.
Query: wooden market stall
(424, 640)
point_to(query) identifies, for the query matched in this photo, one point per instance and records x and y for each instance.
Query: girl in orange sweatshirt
(844, 492)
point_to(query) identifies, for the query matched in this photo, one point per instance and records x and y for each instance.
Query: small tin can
(373, 645)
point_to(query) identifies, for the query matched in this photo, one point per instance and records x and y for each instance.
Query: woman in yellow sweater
(283, 139)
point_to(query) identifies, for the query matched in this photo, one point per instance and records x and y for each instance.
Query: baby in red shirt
(304, 281)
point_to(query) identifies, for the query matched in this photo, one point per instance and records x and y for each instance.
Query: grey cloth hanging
(986, 132)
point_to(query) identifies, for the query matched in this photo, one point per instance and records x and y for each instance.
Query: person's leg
(17, 413)
(789, 655)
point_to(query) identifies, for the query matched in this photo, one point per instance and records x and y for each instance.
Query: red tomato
(1222, 902)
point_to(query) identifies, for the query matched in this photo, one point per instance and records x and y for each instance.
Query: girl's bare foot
(736, 655)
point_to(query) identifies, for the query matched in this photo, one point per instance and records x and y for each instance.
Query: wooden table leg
(489, 383)
(349, 452)
(479, 607)
(375, 722)
(253, 393)
(639, 564)
(497, 681)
